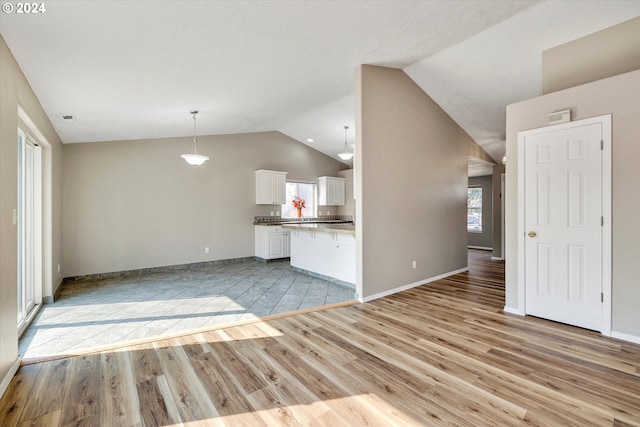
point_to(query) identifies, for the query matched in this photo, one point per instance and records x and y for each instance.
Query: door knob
(532, 234)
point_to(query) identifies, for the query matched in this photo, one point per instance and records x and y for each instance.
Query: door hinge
(602, 144)
(601, 297)
(601, 221)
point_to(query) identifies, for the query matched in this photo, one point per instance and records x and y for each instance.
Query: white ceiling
(134, 69)
(479, 167)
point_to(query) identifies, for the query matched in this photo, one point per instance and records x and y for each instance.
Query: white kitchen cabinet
(271, 187)
(329, 254)
(320, 252)
(331, 190)
(345, 262)
(298, 249)
(272, 242)
(286, 244)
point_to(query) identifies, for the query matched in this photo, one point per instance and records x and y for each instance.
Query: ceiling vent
(67, 117)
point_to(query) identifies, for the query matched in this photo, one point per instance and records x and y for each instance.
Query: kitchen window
(306, 191)
(474, 209)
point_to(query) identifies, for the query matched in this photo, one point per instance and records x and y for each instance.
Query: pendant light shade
(345, 155)
(194, 159)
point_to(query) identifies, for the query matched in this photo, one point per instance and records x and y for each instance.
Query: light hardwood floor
(440, 354)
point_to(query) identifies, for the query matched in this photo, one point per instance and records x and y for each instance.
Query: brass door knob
(532, 234)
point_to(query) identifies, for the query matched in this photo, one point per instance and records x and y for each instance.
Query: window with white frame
(305, 191)
(474, 209)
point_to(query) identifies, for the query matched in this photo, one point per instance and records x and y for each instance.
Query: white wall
(137, 204)
(619, 96)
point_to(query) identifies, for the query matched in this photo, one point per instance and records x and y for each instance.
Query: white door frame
(30, 258)
(605, 121)
(45, 291)
(503, 214)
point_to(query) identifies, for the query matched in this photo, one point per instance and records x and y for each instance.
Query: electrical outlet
(271, 214)
(206, 250)
(415, 264)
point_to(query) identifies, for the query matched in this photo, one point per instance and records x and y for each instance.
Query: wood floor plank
(51, 419)
(230, 402)
(16, 396)
(440, 354)
(48, 391)
(367, 408)
(119, 396)
(145, 361)
(186, 389)
(282, 383)
(155, 410)
(237, 366)
(82, 390)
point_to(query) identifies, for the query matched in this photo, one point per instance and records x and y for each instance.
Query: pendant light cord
(195, 139)
(345, 139)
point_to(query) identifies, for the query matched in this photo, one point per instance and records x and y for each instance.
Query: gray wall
(607, 53)
(484, 239)
(137, 204)
(15, 92)
(618, 96)
(349, 207)
(411, 170)
(498, 170)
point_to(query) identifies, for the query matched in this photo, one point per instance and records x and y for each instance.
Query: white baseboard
(512, 310)
(411, 285)
(483, 248)
(626, 337)
(7, 379)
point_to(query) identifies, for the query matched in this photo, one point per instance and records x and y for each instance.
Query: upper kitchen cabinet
(271, 187)
(331, 190)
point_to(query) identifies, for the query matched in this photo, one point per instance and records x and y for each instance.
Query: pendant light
(345, 155)
(194, 159)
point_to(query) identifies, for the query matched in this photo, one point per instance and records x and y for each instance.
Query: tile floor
(102, 312)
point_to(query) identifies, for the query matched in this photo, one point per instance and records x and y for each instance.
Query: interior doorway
(480, 204)
(565, 222)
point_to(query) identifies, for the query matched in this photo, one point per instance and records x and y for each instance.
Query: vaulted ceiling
(130, 70)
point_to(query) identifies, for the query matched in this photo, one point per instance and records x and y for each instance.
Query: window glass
(305, 191)
(474, 209)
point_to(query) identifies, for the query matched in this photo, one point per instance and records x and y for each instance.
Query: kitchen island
(326, 250)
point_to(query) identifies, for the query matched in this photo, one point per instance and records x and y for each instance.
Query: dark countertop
(299, 222)
(340, 227)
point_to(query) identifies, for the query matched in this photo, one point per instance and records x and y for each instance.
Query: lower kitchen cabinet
(326, 253)
(298, 248)
(345, 267)
(272, 242)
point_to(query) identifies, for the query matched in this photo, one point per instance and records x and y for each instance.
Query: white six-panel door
(563, 223)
